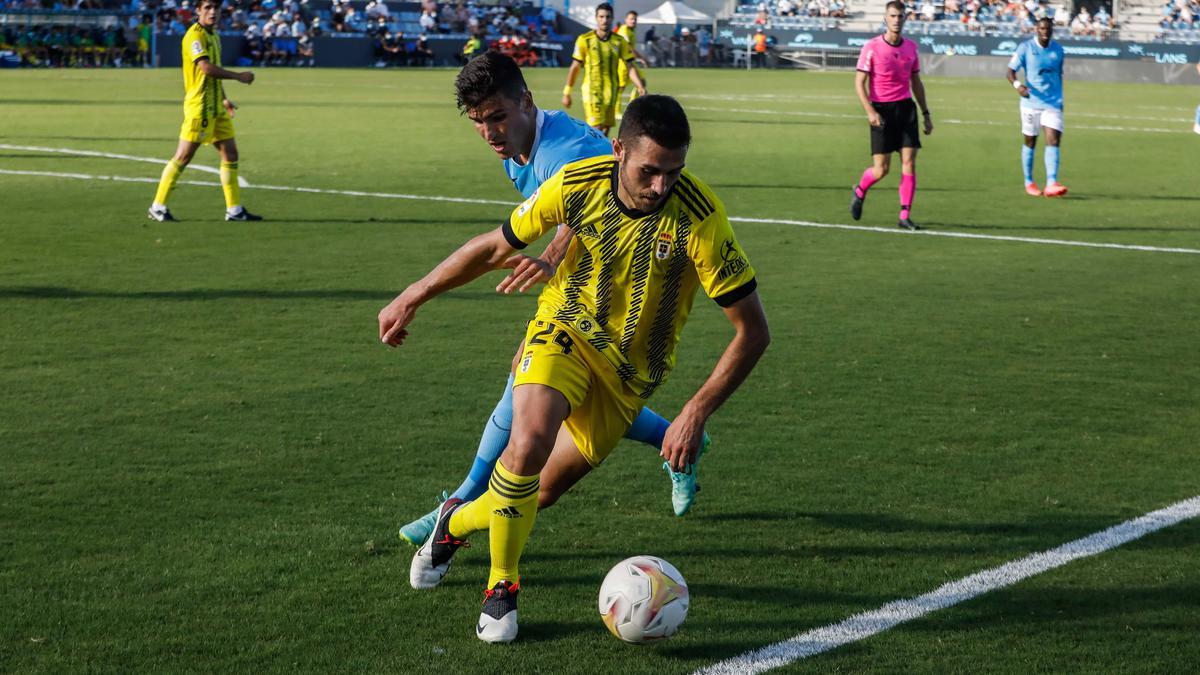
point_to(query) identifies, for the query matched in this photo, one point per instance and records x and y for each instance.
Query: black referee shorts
(899, 128)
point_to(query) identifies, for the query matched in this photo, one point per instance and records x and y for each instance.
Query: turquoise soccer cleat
(683, 483)
(419, 530)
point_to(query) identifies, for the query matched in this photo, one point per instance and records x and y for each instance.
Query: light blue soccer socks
(1051, 164)
(1027, 163)
(649, 428)
(491, 446)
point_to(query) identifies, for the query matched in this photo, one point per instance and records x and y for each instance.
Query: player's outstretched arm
(208, 68)
(750, 340)
(475, 258)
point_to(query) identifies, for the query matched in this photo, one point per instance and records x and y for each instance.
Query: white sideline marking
(736, 219)
(861, 626)
(977, 123)
(112, 155)
(965, 235)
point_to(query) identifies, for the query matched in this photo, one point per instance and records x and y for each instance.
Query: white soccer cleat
(498, 620)
(432, 561)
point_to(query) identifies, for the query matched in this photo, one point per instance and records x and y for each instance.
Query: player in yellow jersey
(647, 236)
(601, 55)
(628, 30)
(207, 115)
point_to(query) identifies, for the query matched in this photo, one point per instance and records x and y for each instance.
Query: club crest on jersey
(663, 250)
(526, 362)
(197, 48)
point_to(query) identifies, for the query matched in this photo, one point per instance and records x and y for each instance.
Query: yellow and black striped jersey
(628, 281)
(600, 61)
(203, 94)
(630, 35)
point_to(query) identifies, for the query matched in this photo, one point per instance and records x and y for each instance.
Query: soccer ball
(643, 599)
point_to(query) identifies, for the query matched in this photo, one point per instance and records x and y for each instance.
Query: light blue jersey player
(535, 145)
(1041, 103)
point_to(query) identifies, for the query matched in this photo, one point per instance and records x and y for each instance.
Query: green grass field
(206, 452)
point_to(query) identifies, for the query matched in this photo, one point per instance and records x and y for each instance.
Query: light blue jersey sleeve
(1017, 62)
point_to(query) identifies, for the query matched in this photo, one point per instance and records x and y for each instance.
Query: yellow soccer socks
(229, 185)
(507, 510)
(170, 176)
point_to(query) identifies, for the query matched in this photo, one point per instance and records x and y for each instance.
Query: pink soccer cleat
(1056, 190)
(1033, 190)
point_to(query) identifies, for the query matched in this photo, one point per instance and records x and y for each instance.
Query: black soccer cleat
(432, 561)
(907, 224)
(242, 216)
(856, 204)
(498, 620)
(163, 216)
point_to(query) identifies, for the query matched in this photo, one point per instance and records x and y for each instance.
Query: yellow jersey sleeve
(625, 52)
(195, 44)
(581, 50)
(721, 264)
(539, 214)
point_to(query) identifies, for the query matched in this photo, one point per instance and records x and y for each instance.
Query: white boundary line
(112, 155)
(867, 624)
(977, 123)
(736, 219)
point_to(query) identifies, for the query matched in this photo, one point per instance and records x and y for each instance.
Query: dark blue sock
(649, 428)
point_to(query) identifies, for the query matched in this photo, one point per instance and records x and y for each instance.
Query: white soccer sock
(234, 210)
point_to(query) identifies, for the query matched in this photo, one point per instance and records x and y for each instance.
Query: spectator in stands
(422, 53)
(837, 9)
(378, 28)
(337, 16)
(305, 48)
(928, 11)
(316, 30)
(1082, 23)
(390, 50)
(428, 21)
(785, 8)
(254, 45)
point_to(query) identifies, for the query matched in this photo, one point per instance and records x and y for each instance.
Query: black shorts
(899, 128)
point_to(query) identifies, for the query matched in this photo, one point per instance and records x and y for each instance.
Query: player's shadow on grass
(549, 631)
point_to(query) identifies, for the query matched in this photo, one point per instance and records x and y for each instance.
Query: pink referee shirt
(891, 68)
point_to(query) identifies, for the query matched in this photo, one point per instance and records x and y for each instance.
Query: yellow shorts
(602, 407)
(596, 114)
(195, 129)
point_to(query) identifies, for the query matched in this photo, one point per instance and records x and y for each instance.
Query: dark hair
(895, 4)
(487, 75)
(631, 12)
(1047, 20)
(658, 117)
(604, 5)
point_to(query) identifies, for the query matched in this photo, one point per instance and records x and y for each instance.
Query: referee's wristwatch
(925, 113)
